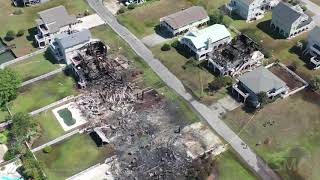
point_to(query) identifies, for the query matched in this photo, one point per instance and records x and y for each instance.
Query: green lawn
(26, 20)
(194, 78)
(50, 127)
(72, 156)
(43, 93)
(35, 66)
(142, 20)
(295, 124)
(229, 168)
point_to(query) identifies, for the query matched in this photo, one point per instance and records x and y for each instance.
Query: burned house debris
(145, 129)
(241, 54)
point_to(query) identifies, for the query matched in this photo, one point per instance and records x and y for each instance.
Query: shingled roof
(185, 17)
(286, 13)
(55, 18)
(261, 80)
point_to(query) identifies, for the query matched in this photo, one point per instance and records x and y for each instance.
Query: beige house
(182, 21)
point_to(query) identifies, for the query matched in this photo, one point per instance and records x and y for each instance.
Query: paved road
(312, 6)
(212, 117)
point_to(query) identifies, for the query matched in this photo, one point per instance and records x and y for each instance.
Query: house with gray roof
(250, 10)
(52, 22)
(64, 45)
(313, 47)
(201, 42)
(289, 20)
(182, 21)
(259, 80)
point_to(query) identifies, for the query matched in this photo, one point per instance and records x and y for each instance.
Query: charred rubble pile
(141, 125)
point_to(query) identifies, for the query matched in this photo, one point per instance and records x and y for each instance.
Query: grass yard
(50, 127)
(73, 156)
(280, 48)
(194, 78)
(142, 20)
(209, 4)
(26, 21)
(35, 66)
(43, 93)
(228, 168)
(282, 132)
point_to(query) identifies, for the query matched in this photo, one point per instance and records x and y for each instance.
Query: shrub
(4, 137)
(315, 83)
(121, 10)
(20, 33)
(86, 13)
(175, 44)
(47, 149)
(166, 47)
(304, 8)
(293, 66)
(10, 154)
(216, 17)
(263, 98)
(17, 12)
(220, 82)
(10, 35)
(131, 6)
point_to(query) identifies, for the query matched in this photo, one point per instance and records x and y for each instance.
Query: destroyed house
(182, 21)
(242, 53)
(259, 80)
(289, 20)
(313, 47)
(52, 22)
(201, 42)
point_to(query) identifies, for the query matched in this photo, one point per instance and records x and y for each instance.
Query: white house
(64, 45)
(182, 21)
(201, 42)
(52, 22)
(250, 10)
(313, 47)
(290, 21)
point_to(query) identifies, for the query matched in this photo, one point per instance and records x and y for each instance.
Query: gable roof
(286, 13)
(74, 39)
(55, 18)
(185, 17)
(199, 38)
(248, 2)
(261, 80)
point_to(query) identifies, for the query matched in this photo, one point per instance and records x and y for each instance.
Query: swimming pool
(10, 178)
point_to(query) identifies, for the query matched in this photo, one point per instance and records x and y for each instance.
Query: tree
(10, 35)
(23, 127)
(315, 83)
(166, 47)
(9, 83)
(47, 149)
(32, 169)
(20, 33)
(263, 98)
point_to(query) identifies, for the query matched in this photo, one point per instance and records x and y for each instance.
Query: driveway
(224, 105)
(153, 40)
(89, 22)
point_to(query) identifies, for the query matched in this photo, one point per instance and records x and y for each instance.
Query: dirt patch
(291, 81)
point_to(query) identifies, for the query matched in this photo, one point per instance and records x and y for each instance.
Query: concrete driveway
(88, 22)
(154, 39)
